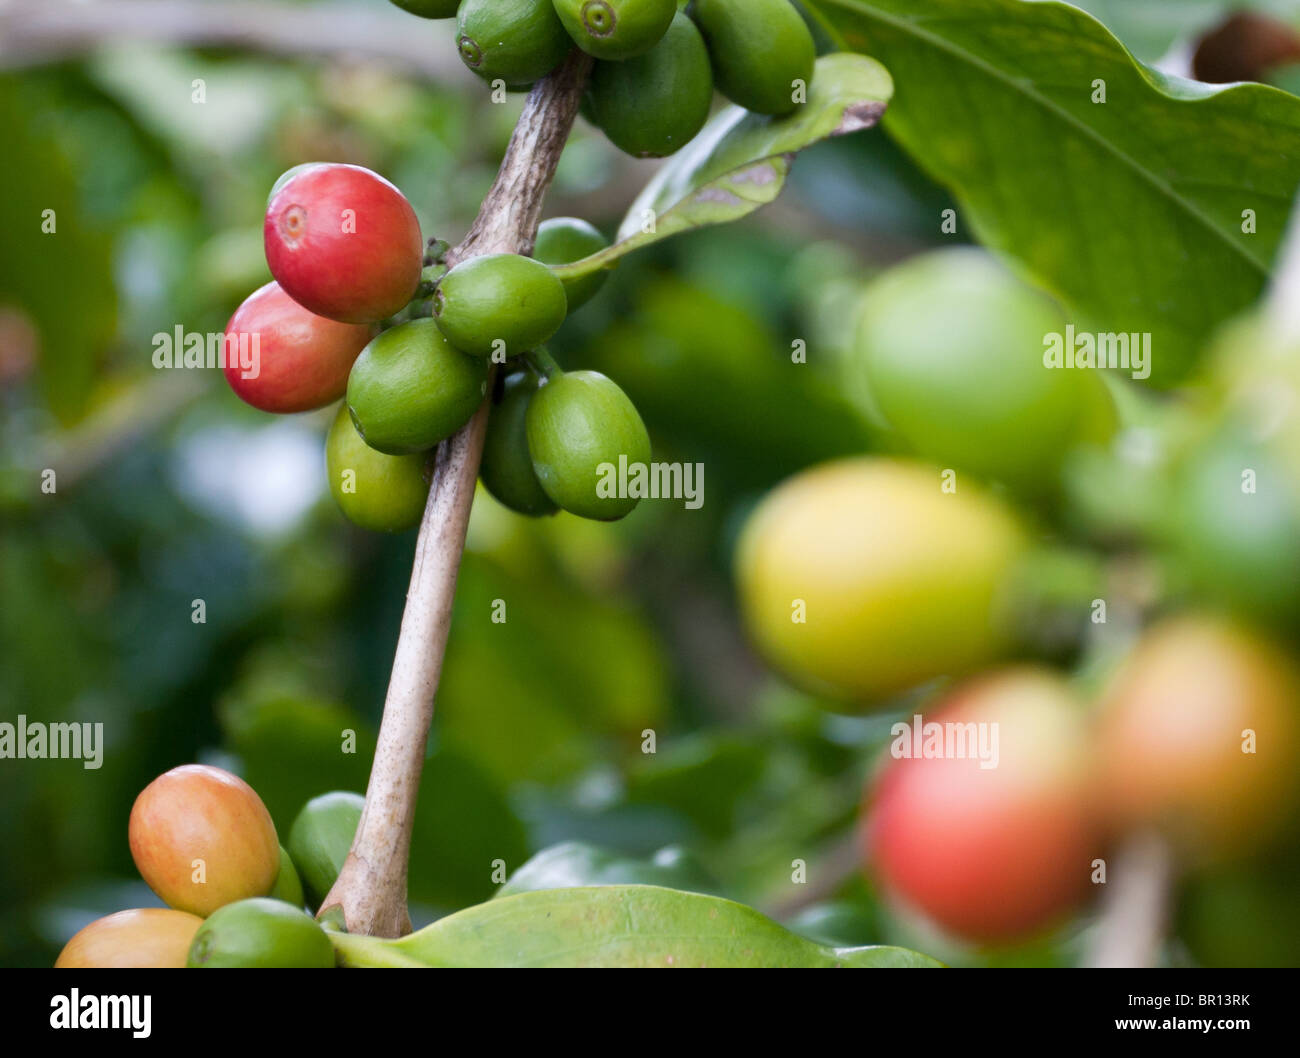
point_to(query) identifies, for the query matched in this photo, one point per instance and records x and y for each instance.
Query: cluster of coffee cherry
(656, 66)
(206, 845)
(361, 308)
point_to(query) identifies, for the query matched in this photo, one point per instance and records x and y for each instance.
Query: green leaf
(702, 776)
(615, 926)
(292, 748)
(1131, 210)
(528, 699)
(740, 160)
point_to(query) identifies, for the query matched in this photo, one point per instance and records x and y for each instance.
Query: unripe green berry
(499, 303)
(653, 105)
(507, 469)
(759, 48)
(263, 933)
(516, 41)
(563, 240)
(411, 389)
(321, 837)
(375, 491)
(579, 425)
(616, 29)
(288, 886)
(949, 356)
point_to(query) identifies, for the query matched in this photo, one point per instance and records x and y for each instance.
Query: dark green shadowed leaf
(577, 863)
(294, 748)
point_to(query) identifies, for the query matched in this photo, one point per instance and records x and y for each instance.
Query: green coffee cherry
(653, 105)
(383, 493)
(759, 49)
(321, 837)
(516, 41)
(430, 8)
(579, 426)
(288, 886)
(410, 388)
(564, 240)
(499, 303)
(949, 356)
(1238, 549)
(260, 933)
(507, 469)
(616, 29)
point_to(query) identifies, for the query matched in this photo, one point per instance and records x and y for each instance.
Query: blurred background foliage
(170, 490)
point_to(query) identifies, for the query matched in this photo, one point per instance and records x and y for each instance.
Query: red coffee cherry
(995, 842)
(202, 838)
(344, 243)
(282, 358)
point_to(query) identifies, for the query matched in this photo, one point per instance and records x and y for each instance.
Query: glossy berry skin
(143, 938)
(197, 812)
(289, 174)
(616, 29)
(949, 356)
(507, 469)
(411, 389)
(382, 493)
(579, 425)
(262, 934)
(991, 854)
(430, 8)
(759, 49)
(344, 243)
(288, 886)
(842, 591)
(563, 240)
(302, 360)
(499, 303)
(321, 837)
(515, 41)
(1238, 547)
(1173, 741)
(652, 106)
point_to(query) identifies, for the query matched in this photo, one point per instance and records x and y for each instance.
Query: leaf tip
(858, 116)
